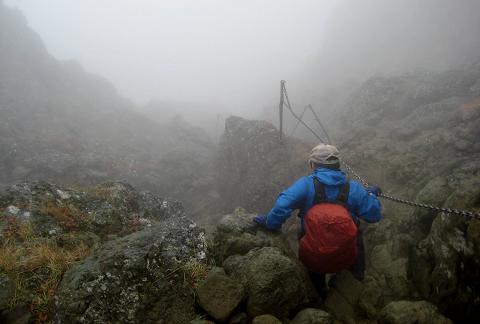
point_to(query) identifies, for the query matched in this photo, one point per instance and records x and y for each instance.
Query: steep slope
(417, 136)
(59, 123)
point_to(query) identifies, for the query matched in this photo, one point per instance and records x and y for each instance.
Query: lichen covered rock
(407, 312)
(113, 208)
(237, 234)
(266, 319)
(219, 295)
(275, 284)
(312, 316)
(135, 279)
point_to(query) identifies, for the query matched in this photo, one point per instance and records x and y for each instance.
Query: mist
(221, 53)
(228, 57)
(144, 178)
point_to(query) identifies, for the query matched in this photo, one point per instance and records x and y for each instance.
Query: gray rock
(407, 312)
(312, 316)
(106, 209)
(396, 278)
(238, 234)
(139, 278)
(219, 295)
(266, 319)
(275, 284)
(380, 258)
(250, 152)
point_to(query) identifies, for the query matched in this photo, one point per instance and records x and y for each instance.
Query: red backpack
(330, 241)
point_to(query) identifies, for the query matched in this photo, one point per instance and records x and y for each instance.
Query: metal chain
(365, 182)
(413, 203)
(434, 208)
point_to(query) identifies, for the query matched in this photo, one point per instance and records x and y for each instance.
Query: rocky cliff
(417, 136)
(59, 123)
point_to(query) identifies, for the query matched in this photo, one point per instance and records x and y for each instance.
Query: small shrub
(194, 272)
(36, 265)
(68, 217)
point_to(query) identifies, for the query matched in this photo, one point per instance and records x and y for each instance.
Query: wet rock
(139, 278)
(113, 208)
(238, 234)
(370, 300)
(396, 278)
(380, 258)
(275, 284)
(266, 319)
(338, 305)
(407, 312)
(219, 295)
(312, 316)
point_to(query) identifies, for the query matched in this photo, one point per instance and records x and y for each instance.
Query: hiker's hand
(374, 190)
(261, 220)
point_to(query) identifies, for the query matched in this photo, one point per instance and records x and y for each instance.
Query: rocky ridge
(417, 135)
(61, 124)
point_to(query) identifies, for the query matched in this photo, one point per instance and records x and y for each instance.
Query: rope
(364, 182)
(301, 117)
(284, 93)
(320, 124)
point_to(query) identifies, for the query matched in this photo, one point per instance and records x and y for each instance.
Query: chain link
(413, 203)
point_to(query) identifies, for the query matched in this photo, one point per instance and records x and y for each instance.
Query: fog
(225, 53)
(229, 56)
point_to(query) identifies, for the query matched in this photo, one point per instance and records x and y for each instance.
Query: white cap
(324, 154)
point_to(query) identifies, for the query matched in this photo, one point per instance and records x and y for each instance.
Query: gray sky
(214, 51)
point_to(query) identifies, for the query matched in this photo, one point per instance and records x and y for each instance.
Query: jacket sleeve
(287, 201)
(368, 206)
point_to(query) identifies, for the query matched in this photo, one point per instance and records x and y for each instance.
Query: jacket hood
(330, 177)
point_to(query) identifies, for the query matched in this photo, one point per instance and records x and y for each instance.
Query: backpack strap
(343, 193)
(319, 191)
(320, 195)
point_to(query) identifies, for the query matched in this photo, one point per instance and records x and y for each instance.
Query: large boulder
(312, 316)
(253, 165)
(144, 277)
(275, 284)
(237, 234)
(407, 312)
(266, 319)
(112, 208)
(219, 295)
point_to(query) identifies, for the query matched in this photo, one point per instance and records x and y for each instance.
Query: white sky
(227, 52)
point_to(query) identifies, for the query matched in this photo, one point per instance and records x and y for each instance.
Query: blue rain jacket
(300, 195)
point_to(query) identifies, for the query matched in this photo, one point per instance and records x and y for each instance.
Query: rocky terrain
(76, 251)
(59, 123)
(250, 166)
(417, 135)
(112, 254)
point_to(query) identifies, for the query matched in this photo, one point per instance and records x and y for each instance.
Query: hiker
(330, 208)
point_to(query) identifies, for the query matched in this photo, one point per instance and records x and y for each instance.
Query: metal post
(280, 107)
